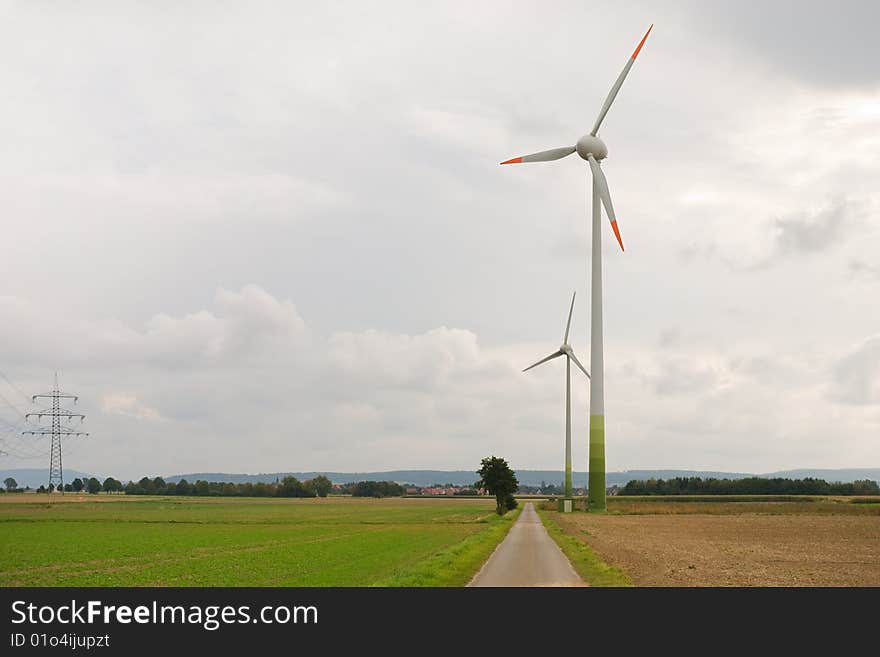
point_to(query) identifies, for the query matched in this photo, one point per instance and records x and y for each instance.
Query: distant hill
(36, 477)
(841, 475)
(525, 477)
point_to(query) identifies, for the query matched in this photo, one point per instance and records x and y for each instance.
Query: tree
(111, 485)
(497, 478)
(322, 485)
(10, 483)
(376, 489)
(77, 485)
(293, 487)
(93, 486)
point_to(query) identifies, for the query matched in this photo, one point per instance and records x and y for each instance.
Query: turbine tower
(592, 149)
(568, 352)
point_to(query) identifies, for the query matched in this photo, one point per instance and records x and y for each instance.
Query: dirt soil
(735, 550)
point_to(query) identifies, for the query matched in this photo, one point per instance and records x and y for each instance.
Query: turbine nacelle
(591, 145)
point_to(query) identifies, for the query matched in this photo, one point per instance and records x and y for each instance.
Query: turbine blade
(556, 354)
(613, 93)
(578, 363)
(568, 326)
(543, 156)
(605, 195)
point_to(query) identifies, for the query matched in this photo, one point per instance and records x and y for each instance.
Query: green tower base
(566, 505)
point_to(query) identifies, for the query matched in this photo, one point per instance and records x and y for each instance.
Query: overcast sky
(275, 236)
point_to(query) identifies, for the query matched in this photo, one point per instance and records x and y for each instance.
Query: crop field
(110, 540)
(742, 542)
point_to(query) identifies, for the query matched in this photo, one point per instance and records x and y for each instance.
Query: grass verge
(585, 561)
(457, 564)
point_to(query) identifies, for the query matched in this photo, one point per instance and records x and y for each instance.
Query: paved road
(527, 557)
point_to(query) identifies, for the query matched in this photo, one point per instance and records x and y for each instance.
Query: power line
(56, 430)
(14, 387)
(17, 410)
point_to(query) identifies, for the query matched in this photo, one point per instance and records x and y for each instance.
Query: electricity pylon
(56, 430)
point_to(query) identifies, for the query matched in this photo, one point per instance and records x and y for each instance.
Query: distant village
(451, 490)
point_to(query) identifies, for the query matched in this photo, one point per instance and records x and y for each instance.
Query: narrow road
(527, 557)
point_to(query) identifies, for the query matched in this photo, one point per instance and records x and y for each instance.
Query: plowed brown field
(736, 545)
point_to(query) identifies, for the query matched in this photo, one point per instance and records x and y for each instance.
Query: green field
(125, 541)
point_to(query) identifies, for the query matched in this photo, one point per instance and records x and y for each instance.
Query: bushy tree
(497, 478)
(77, 485)
(322, 486)
(93, 486)
(293, 487)
(10, 483)
(376, 489)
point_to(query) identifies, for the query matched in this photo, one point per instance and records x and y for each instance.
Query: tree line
(319, 486)
(288, 487)
(747, 486)
(91, 485)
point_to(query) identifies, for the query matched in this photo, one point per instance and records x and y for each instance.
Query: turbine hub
(590, 145)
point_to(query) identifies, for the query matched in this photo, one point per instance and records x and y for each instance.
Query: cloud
(784, 36)
(248, 323)
(690, 375)
(855, 378)
(815, 232)
(129, 406)
(863, 271)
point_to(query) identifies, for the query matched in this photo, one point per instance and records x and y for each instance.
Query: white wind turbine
(568, 352)
(592, 149)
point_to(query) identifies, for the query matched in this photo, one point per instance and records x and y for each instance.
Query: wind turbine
(566, 350)
(592, 149)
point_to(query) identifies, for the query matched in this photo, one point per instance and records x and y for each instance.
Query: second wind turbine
(568, 352)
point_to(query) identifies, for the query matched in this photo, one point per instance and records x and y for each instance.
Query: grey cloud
(681, 376)
(855, 378)
(863, 271)
(816, 232)
(816, 42)
(669, 338)
(247, 371)
(799, 234)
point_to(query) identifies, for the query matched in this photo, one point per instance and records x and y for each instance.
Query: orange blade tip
(642, 42)
(617, 234)
(514, 160)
